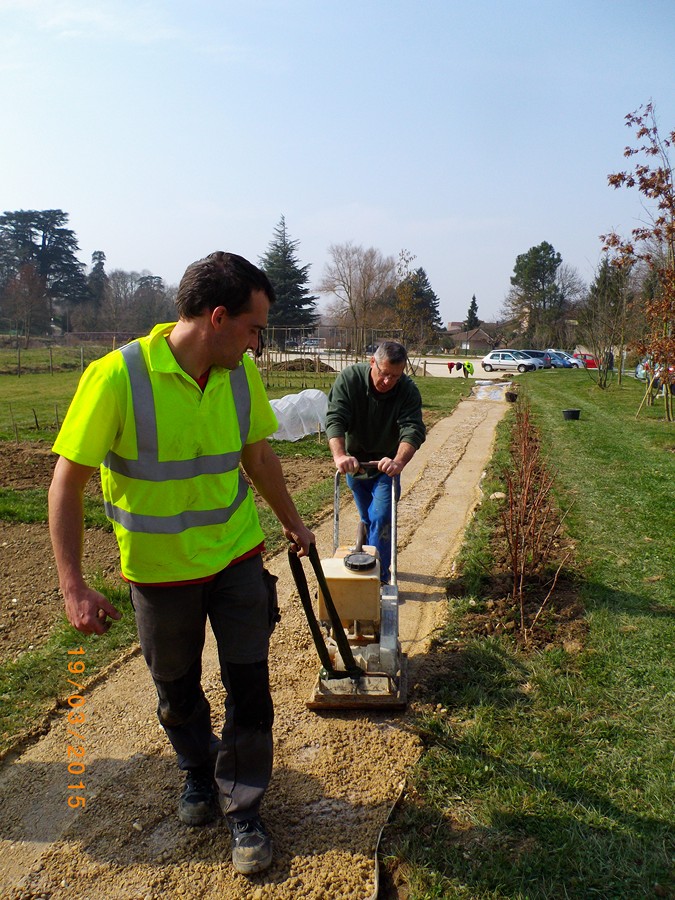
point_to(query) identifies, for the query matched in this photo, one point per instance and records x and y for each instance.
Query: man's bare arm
(86, 608)
(264, 469)
(396, 465)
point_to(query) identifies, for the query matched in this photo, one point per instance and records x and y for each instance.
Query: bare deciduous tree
(118, 302)
(27, 302)
(602, 316)
(359, 279)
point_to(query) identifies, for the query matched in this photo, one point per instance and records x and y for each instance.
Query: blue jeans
(373, 501)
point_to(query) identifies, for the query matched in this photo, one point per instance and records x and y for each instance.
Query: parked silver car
(574, 362)
(509, 361)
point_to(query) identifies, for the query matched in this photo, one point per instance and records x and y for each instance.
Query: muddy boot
(251, 846)
(198, 803)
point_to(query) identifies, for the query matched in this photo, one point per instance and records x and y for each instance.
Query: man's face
(234, 335)
(385, 375)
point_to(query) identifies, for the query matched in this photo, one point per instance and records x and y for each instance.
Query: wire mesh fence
(292, 360)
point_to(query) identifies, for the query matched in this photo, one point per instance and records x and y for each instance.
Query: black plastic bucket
(569, 414)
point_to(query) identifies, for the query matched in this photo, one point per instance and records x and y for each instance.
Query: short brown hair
(220, 279)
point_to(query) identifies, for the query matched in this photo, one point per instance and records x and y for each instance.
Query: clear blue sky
(465, 132)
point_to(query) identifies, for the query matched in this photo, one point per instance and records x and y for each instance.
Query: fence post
(81, 359)
(16, 430)
(51, 362)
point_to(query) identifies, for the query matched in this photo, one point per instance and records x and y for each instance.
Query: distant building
(476, 341)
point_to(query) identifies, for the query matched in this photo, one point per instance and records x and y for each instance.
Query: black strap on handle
(352, 670)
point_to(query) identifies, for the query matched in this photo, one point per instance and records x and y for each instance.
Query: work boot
(198, 804)
(251, 846)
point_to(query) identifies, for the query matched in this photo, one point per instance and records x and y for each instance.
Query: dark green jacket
(373, 424)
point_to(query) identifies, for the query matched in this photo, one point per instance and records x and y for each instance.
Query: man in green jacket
(375, 413)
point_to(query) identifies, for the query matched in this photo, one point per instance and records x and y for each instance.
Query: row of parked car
(529, 360)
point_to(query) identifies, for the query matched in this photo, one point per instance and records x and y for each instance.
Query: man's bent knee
(172, 713)
(249, 692)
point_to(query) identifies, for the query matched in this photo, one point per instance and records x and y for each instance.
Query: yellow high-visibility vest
(180, 506)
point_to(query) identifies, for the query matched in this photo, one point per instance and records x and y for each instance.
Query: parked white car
(509, 361)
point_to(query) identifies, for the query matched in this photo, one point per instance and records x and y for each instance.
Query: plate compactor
(355, 627)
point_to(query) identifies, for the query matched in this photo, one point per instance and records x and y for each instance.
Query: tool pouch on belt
(272, 599)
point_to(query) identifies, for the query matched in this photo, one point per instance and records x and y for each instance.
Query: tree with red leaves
(653, 242)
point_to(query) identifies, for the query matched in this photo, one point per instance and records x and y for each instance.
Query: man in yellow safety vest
(169, 418)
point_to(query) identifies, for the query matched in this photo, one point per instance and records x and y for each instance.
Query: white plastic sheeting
(300, 414)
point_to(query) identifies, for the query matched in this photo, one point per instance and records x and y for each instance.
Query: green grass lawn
(33, 406)
(551, 773)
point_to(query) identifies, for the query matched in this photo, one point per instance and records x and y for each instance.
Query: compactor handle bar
(395, 481)
(328, 671)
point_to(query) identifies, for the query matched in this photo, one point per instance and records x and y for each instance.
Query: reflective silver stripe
(148, 467)
(143, 401)
(168, 470)
(242, 400)
(191, 518)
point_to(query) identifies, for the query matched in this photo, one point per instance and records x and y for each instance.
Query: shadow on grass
(481, 673)
(582, 846)
(554, 828)
(615, 600)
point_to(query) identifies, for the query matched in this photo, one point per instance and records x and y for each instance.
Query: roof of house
(474, 334)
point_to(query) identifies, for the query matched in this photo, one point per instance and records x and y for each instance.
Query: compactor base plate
(374, 691)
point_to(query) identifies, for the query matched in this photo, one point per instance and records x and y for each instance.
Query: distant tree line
(630, 304)
(45, 289)
(549, 305)
(369, 292)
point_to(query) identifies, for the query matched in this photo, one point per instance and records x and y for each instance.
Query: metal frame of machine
(363, 666)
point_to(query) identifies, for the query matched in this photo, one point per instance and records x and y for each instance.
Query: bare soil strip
(336, 774)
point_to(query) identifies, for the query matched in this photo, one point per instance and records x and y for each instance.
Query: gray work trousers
(240, 604)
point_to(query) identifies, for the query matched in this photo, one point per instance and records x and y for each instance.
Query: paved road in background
(432, 366)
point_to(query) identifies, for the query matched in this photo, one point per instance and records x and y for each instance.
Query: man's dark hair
(391, 351)
(220, 279)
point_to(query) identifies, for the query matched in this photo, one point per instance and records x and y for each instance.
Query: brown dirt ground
(337, 775)
(30, 600)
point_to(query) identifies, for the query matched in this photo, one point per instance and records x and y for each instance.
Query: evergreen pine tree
(295, 306)
(39, 239)
(472, 320)
(97, 280)
(427, 301)
(417, 308)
